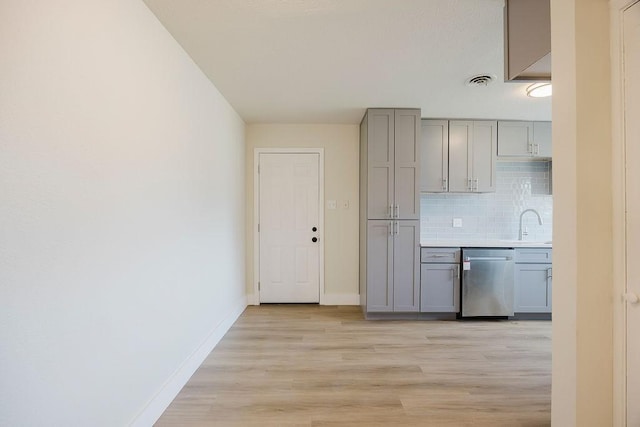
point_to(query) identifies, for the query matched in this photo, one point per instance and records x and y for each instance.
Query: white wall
(340, 143)
(582, 389)
(122, 212)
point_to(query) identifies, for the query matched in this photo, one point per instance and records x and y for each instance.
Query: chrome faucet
(522, 214)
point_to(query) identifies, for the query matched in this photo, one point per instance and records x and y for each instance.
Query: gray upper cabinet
(458, 156)
(515, 139)
(380, 151)
(542, 139)
(407, 164)
(472, 156)
(524, 139)
(434, 156)
(393, 164)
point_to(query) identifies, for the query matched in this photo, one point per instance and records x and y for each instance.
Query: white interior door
(289, 234)
(631, 49)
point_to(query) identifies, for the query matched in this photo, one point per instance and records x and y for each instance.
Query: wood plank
(309, 365)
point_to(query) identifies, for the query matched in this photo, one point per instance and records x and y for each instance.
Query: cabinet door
(483, 163)
(379, 265)
(407, 164)
(380, 154)
(434, 156)
(515, 139)
(460, 134)
(542, 139)
(406, 266)
(440, 288)
(533, 288)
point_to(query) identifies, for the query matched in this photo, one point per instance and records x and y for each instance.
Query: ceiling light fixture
(539, 90)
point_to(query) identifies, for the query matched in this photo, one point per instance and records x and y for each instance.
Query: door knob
(631, 297)
(314, 239)
(314, 229)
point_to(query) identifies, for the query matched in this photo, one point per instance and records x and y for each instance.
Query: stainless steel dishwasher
(488, 277)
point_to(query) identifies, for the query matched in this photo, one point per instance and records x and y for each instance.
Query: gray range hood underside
(527, 40)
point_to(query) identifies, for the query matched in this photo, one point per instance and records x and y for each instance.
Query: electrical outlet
(457, 222)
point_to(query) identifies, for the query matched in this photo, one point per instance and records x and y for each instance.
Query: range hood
(527, 40)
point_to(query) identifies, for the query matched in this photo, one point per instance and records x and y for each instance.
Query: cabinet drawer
(533, 255)
(440, 255)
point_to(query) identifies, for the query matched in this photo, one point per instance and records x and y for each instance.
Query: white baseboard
(159, 403)
(329, 299)
(341, 299)
(253, 299)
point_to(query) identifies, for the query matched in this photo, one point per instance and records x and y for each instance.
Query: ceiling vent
(480, 80)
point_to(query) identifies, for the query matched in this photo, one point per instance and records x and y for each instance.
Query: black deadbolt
(314, 229)
(315, 239)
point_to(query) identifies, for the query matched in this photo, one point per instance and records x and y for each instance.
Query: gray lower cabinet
(533, 281)
(440, 280)
(393, 266)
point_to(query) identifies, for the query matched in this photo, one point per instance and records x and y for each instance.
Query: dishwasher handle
(488, 258)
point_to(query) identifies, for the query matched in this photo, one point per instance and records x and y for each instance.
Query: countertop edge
(484, 244)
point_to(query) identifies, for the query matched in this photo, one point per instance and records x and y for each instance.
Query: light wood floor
(308, 365)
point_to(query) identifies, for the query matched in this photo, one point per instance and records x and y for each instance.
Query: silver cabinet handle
(457, 271)
(390, 228)
(530, 148)
(397, 227)
(444, 184)
(391, 211)
(475, 181)
(397, 211)
(439, 256)
(549, 273)
(536, 148)
(469, 185)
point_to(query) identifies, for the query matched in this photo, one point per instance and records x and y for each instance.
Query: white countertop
(484, 244)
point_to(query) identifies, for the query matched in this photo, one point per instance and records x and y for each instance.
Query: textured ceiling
(325, 61)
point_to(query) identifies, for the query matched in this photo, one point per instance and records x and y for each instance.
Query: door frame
(256, 213)
(617, 8)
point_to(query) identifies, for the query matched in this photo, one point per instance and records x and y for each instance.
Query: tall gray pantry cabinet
(390, 210)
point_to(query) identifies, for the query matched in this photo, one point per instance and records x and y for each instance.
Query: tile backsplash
(493, 216)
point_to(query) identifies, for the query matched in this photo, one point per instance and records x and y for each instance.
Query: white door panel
(631, 34)
(289, 209)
